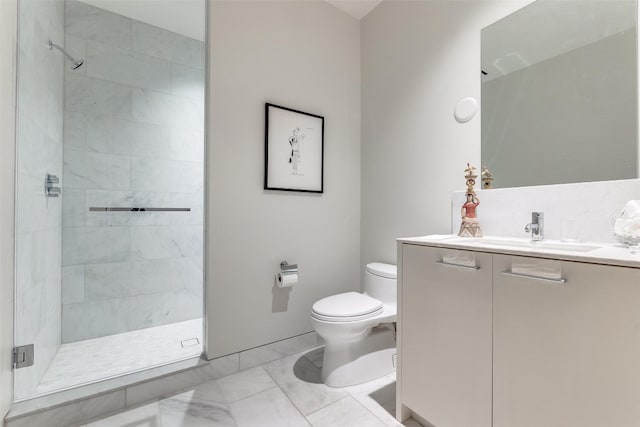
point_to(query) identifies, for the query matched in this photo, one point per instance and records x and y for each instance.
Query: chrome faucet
(536, 227)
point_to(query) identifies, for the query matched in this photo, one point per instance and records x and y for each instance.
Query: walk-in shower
(110, 185)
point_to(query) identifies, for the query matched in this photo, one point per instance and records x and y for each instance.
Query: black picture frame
(293, 150)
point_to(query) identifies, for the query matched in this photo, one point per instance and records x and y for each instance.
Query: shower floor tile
(96, 359)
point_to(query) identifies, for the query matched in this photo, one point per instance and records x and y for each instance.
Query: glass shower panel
(38, 217)
(129, 227)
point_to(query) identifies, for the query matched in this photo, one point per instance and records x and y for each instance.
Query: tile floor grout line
(368, 410)
(335, 401)
(296, 406)
(250, 395)
(285, 393)
(375, 415)
(353, 394)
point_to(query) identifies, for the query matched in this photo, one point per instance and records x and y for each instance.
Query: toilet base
(356, 362)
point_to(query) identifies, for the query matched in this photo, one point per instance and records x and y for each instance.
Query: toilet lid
(383, 270)
(348, 305)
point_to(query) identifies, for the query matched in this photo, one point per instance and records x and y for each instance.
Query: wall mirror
(559, 93)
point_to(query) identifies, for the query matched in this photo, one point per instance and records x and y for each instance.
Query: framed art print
(294, 150)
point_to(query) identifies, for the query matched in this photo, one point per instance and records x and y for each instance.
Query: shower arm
(76, 63)
(51, 45)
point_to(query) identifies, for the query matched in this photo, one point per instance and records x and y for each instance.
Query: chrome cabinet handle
(532, 277)
(451, 264)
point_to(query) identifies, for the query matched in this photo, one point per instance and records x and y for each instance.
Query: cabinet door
(446, 336)
(566, 355)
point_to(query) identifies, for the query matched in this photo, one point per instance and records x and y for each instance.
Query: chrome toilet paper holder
(288, 275)
(285, 267)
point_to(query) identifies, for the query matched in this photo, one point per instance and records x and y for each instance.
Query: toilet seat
(346, 307)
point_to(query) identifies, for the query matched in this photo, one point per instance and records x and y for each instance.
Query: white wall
(306, 56)
(418, 59)
(8, 34)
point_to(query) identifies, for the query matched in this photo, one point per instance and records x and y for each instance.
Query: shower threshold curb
(66, 399)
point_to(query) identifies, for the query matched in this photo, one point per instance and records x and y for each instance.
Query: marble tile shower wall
(38, 218)
(134, 136)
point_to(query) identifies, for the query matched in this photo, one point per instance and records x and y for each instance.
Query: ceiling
(356, 8)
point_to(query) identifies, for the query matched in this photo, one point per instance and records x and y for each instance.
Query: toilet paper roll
(286, 280)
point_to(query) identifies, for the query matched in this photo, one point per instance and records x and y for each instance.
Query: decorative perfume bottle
(470, 226)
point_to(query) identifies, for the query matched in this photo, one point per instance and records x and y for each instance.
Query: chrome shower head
(75, 64)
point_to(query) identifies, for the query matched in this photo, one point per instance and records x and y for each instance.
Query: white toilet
(358, 329)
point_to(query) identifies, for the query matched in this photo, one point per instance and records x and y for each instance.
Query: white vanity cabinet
(494, 347)
(566, 355)
(446, 335)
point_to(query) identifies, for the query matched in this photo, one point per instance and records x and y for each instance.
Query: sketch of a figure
(294, 140)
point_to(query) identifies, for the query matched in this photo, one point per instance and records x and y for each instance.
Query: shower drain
(189, 342)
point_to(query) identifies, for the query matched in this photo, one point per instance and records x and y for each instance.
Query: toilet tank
(380, 282)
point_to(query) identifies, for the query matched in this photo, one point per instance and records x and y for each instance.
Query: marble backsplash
(134, 136)
(587, 207)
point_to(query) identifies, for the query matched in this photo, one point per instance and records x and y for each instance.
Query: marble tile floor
(285, 392)
(106, 357)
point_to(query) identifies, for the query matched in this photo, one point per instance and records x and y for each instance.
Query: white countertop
(606, 253)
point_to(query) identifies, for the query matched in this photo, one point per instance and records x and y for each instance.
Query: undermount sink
(544, 244)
